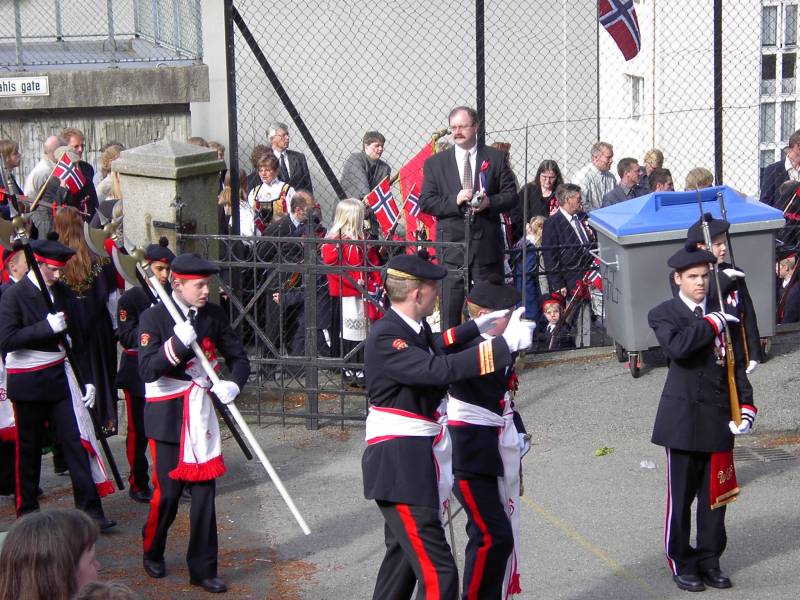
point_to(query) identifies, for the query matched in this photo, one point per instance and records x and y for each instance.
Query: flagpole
(597, 65)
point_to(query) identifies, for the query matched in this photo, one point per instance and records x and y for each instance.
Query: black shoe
(39, 492)
(63, 471)
(186, 494)
(689, 582)
(214, 585)
(143, 496)
(717, 579)
(155, 568)
(104, 523)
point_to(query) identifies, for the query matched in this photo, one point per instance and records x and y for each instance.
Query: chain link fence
(35, 34)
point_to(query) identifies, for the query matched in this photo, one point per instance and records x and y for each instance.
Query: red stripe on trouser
(429, 576)
(480, 559)
(130, 439)
(17, 484)
(668, 524)
(152, 517)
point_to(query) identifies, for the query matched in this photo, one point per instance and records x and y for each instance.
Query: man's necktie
(579, 229)
(466, 181)
(698, 312)
(284, 168)
(192, 315)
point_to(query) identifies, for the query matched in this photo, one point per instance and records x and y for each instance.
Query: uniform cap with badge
(690, 256)
(52, 252)
(415, 266)
(494, 294)
(192, 266)
(159, 252)
(715, 227)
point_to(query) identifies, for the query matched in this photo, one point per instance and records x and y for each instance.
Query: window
(767, 123)
(787, 120)
(769, 26)
(637, 96)
(790, 25)
(766, 157)
(768, 73)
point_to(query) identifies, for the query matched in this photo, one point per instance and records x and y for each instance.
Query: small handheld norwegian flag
(69, 173)
(382, 203)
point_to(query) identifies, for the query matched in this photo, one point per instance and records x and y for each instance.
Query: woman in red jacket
(347, 286)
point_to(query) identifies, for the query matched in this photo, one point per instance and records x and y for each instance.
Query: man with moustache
(469, 180)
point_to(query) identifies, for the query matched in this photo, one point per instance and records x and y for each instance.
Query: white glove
(524, 444)
(185, 333)
(752, 366)
(486, 323)
(748, 418)
(226, 391)
(57, 322)
(733, 273)
(518, 334)
(89, 396)
(719, 319)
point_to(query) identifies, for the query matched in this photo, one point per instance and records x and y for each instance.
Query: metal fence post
(233, 128)
(156, 23)
(176, 26)
(718, 91)
(198, 27)
(112, 42)
(310, 318)
(59, 32)
(480, 70)
(137, 25)
(18, 34)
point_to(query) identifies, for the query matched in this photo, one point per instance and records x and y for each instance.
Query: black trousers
(490, 539)
(453, 292)
(7, 462)
(417, 554)
(136, 443)
(31, 418)
(201, 555)
(688, 477)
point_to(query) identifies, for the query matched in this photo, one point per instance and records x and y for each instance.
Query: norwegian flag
(618, 17)
(593, 278)
(382, 203)
(415, 217)
(70, 174)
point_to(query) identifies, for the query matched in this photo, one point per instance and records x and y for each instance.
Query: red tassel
(105, 488)
(9, 434)
(199, 472)
(514, 586)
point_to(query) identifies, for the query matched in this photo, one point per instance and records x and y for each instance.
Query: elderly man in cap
(694, 423)
(179, 418)
(489, 442)
(130, 307)
(407, 462)
(43, 387)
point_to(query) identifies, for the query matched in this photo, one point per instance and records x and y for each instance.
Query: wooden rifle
(730, 360)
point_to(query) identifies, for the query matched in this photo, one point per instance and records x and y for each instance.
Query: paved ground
(592, 526)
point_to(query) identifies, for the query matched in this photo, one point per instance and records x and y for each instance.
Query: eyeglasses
(460, 127)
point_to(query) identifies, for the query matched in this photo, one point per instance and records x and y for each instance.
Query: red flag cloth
(593, 277)
(382, 203)
(70, 174)
(420, 226)
(723, 489)
(618, 17)
(411, 173)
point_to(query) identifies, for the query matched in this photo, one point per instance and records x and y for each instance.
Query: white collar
(691, 303)
(294, 220)
(415, 325)
(183, 307)
(460, 152)
(567, 216)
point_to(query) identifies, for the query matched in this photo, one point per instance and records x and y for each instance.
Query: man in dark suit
(565, 248)
(694, 423)
(406, 466)
(773, 175)
(293, 168)
(629, 186)
(475, 182)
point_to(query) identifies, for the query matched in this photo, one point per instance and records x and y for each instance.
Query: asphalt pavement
(592, 526)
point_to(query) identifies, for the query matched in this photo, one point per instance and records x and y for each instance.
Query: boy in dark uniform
(488, 444)
(552, 310)
(406, 465)
(736, 295)
(43, 389)
(694, 423)
(179, 418)
(130, 306)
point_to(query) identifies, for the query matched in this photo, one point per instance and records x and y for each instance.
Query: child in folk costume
(131, 305)
(42, 386)
(489, 442)
(270, 197)
(693, 421)
(348, 311)
(179, 417)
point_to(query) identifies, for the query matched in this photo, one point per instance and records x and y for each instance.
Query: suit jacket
(617, 195)
(440, 186)
(360, 176)
(772, 176)
(565, 259)
(163, 419)
(299, 176)
(791, 308)
(130, 307)
(23, 326)
(694, 409)
(410, 372)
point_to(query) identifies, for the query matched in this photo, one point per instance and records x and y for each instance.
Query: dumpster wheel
(635, 363)
(622, 354)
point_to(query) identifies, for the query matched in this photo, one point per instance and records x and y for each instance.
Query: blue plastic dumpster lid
(668, 211)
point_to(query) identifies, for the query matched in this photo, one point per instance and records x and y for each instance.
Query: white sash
(201, 444)
(388, 423)
(20, 361)
(7, 431)
(354, 321)
(508, 485)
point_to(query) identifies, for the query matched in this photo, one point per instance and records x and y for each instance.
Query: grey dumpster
(636, 237)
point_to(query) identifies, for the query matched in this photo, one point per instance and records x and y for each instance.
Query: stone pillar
(164, 181)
